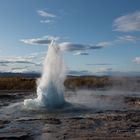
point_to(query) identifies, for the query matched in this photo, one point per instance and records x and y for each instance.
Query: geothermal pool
(79, 100)
(88, 114)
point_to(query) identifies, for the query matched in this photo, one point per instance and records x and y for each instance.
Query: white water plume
(50, 88)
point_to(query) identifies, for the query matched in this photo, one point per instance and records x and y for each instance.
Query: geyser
(50, 87)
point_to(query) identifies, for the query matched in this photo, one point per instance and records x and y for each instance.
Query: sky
(95, 36)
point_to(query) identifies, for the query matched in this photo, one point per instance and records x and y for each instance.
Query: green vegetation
(21, 83)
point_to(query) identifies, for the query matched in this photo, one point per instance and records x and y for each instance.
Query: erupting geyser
(50, 87)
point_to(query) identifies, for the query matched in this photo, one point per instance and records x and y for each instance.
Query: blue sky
(96, 36)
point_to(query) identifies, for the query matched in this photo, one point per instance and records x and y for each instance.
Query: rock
(46, 120)
(137, 132)
(46, 136)
(52, 121)
(3, 123)
(135, 101)
(17, 135)
(77, 118)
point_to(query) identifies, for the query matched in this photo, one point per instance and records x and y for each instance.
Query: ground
(89, 115)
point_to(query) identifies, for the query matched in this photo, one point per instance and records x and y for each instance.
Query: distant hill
(10, 74)
(73, 74)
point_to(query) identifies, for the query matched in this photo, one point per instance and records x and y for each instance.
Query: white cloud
(81, 53)
(20, 69)
(79, 73)
(46, 21)
(104, 69)
(31, 59)
(128, 23)
(99, 64)
(65, 46)
(45, 14)
(12, 69)
(39, 41)
(104, 44)
(129, 38)
(3, 64)
(16, 59)
(21, 64)
(136, 60)
(68, 46)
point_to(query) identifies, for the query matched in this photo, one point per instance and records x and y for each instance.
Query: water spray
(50, 88)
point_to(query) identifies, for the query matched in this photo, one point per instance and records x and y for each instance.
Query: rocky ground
(89, 118)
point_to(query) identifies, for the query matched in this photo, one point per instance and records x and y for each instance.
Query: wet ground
(88, 115)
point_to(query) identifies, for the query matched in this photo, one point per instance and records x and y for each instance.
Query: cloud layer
(5, 61)
(79, 73)
(68, 46)
(46, 21)
(104, 69)
(129, 38)
(99, 64)
(104, 44)
(17, 59)
(45, 14)
(136, 60)
(21, 63)
(39, 41)
(65, 46)
(81, 53)
(128, 23)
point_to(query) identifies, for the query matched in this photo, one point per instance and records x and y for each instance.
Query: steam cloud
(50, 88)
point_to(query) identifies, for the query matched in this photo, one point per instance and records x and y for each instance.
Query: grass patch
(21, 83)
